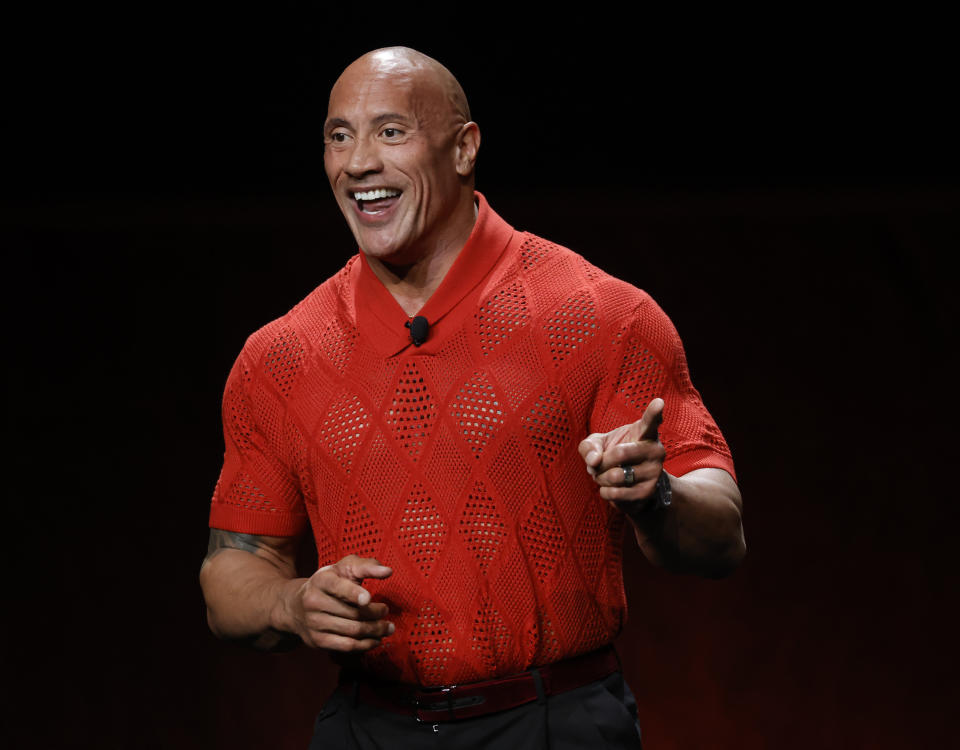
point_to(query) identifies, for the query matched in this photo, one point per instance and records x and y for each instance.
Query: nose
(364, 159)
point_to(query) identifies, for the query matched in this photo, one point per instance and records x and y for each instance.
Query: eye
(337, 137)
(391, 133)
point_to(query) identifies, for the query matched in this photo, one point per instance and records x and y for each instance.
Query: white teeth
(373, 195)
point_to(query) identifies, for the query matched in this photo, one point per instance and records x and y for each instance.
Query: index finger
(357, 568)
(651, 420)
(330, 582)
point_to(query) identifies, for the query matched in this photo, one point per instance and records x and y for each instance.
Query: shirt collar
(380, 319)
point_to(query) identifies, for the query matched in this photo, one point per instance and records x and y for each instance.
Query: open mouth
(376, 201)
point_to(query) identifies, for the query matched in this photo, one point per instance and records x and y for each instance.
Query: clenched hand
(332, 610)
(636, 444)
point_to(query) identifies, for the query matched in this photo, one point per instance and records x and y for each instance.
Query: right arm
(253, 594)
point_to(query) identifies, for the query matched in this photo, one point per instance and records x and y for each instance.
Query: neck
(412, 284)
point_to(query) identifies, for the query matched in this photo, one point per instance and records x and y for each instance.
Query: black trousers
(598, 715)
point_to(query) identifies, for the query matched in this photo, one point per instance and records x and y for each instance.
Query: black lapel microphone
(419, 328)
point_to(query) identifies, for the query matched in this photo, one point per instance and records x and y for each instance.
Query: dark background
(788, 189)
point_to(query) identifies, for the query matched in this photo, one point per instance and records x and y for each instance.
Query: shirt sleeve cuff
(698, 459)
(269, 523)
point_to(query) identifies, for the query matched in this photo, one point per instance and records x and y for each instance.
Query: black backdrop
(787, 189)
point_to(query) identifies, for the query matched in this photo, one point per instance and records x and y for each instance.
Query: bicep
(715, 484)
(280, 551)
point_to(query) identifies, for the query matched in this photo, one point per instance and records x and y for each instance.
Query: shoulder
(573, 301)
(557, 275)
(278, 347)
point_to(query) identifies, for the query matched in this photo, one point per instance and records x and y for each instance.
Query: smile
(375, 201)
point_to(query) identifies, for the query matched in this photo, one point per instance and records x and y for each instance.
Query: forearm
(248, 598)
(700, 532)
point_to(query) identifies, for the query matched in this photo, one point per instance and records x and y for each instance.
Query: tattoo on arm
(221, 540)
(271, 549)
(278, 551)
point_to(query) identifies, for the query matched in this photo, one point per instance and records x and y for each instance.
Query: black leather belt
(452, 702)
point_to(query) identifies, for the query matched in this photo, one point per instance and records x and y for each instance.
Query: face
(391, 155)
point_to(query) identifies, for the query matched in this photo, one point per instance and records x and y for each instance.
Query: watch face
(664, 490)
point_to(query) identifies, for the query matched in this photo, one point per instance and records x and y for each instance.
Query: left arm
(700, 532)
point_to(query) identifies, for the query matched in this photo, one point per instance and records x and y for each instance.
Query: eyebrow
(387, 117)
(339, 122)
(335, 122)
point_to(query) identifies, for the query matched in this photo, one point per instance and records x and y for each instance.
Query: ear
(468, 143)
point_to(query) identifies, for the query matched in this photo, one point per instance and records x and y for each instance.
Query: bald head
(404, 63)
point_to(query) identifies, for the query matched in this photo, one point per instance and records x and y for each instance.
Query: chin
(386, 253)
(376, 246)
(390, 249)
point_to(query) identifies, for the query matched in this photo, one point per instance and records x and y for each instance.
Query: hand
(332, 610)
(636, 444)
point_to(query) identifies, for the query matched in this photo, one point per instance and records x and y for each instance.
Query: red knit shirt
(456, 463)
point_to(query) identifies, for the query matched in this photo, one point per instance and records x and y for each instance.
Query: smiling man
(465, 418)
(399, 152)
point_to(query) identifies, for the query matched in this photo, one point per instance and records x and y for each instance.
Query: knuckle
(319, 597)
(350, 592)
(340, 644)
(331, 642)
(322, 579)
(315, 587)
(315, 621)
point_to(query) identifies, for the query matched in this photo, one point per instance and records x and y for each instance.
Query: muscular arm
(700, 532)
(253, 594)
(243, 578)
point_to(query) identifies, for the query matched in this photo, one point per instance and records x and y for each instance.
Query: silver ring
(628, 478)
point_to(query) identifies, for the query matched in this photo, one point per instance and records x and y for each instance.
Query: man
(441, 413)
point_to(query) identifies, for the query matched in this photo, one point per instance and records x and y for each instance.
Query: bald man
(465, 418)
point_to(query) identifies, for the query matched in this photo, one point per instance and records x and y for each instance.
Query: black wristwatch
(661, 498)
(663, 492)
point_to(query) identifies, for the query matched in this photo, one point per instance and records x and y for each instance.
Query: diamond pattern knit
(456, 463)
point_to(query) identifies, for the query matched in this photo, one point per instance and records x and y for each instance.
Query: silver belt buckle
(445, 702)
